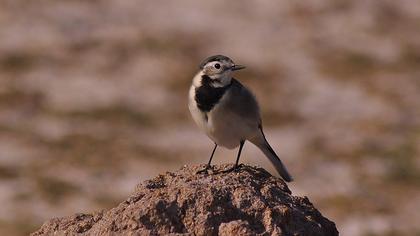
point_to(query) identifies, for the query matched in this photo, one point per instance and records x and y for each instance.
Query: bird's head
(219, 68)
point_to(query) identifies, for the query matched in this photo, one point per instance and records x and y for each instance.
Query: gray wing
(242, 102)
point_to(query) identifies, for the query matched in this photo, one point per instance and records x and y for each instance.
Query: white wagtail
(227, 111)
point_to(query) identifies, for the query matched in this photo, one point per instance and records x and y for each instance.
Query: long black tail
(265, 147)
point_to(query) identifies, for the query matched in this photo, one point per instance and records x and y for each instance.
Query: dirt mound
(246, 202)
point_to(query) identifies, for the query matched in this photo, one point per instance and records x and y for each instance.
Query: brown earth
(93, 101)
(249, 201)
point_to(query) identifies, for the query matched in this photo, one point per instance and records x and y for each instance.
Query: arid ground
(93, 100)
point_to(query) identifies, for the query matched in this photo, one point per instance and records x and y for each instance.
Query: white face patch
(219, 71)
(213, 68)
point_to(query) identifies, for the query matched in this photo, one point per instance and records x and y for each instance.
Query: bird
(228, 112)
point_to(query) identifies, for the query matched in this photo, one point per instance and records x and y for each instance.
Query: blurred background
(93, 100)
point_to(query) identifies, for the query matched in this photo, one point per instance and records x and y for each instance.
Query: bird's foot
(235, 168)
(205, 170)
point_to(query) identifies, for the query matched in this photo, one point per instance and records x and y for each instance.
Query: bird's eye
(217, 66)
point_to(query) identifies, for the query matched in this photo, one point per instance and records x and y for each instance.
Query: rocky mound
(246, 202)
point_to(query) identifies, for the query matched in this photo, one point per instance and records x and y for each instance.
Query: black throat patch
(207, 96)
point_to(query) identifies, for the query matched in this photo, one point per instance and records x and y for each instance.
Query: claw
(234, 168)
(205, 170)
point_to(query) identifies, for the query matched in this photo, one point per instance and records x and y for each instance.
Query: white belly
(228, 129)
(223, 127)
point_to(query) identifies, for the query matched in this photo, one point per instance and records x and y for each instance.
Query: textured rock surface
(246, 202)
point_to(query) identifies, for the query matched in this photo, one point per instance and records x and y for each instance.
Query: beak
(237, 67)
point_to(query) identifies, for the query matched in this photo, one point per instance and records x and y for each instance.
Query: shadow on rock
(248, 201)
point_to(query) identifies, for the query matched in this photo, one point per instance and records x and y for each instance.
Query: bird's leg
(236, 166)
(208, 164)
(239, 153)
